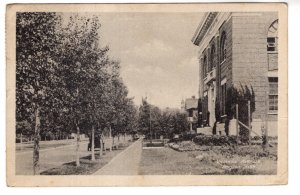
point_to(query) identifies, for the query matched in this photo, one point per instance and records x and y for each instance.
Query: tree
(144, 118)
(240, 96)
(181, 123)
(83, 70)
(131, 117)
(96, 93)
(65, 81)
(36, 47)
(109, 101)
(163, 122)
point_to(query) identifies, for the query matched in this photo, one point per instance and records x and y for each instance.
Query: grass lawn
(87, 166)
(246, 160)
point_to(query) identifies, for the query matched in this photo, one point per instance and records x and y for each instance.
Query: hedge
(214, 140)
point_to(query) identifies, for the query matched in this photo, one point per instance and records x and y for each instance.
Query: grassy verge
(87, 166)
(210, 160)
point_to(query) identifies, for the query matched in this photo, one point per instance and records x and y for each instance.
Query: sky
(157, 57)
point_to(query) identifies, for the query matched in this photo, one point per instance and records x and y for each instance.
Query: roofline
(200, 25)
(203, 27)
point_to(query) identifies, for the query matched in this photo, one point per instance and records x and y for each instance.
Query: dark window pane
(273, 79)
(273, 102)
(271, 39)
(271, 48)
(273, 93)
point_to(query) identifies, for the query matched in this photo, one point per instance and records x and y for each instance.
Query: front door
(211, 104)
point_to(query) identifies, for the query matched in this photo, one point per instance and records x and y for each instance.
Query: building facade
(239, 49)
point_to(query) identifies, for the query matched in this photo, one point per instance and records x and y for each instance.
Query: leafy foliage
(36, 42)
(215, 140)
(165, 122)
(63, 70)
(65, 81)
(240, 96)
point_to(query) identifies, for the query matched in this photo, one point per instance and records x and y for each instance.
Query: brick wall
(226, 66)
(247, 60)
(273, 61)
(222, 69)
(250, 57)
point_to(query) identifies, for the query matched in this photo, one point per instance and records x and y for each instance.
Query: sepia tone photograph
(133, 91)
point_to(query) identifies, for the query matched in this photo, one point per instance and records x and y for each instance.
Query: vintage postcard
(146, 94)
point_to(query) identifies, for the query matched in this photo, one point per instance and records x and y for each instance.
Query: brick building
(239, 49)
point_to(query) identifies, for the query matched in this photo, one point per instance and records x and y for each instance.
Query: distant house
(191, 107)
(74, 136)
(238, 49)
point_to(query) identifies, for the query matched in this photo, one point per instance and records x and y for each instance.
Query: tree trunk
(101, 146)
(21, 141)
(118, 141)
(110, 139)
(93, 143)
(109, 131)
(36, 146)
(77, 145)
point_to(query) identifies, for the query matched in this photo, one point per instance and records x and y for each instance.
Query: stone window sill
(273, 113)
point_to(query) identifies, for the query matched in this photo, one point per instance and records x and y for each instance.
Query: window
(204, 66)
(212, 55)
(273, 94)
(222, 47)
(223, 97)
(190, 113)
(272, 39)
(271, 44)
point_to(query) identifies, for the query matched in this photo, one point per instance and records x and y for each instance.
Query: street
(49, 158)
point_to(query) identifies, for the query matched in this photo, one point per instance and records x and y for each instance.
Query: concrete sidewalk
(125, 163)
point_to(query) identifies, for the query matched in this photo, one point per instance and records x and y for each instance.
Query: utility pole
(266, 121)
(237, 123)
(249, 121)
(149, 118)
(150, 121)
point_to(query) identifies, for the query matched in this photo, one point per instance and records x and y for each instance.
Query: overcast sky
(156, 54)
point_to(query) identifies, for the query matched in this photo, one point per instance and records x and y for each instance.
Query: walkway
(125, 163)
